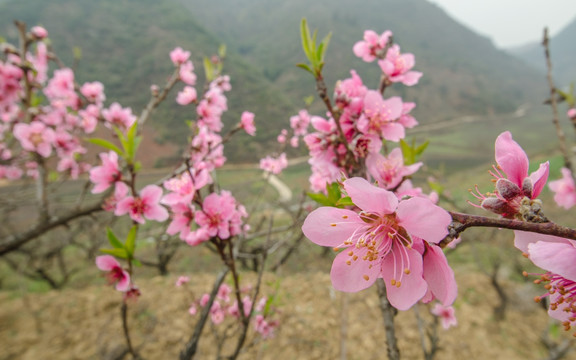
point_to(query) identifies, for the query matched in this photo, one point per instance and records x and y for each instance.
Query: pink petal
(411, 78)
(369, 197)
(359, 275)
(393, 131)
(511, 158)
(413, 287)
(421, 218)
(318, 226)
(439, 275)
(539, 178)
(523, 238)
(554, 257)
(106, 262)
(124, 283)
(151, 194)
(156, 212)
(124, 206)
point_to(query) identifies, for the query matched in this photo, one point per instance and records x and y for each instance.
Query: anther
(366, 277)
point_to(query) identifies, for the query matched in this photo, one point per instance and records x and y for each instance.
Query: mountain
(463, 72)
(562, 53)
(125, 44)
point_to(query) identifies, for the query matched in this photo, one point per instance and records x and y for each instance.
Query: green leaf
(2, 40)
(439, 189)
(420, 149)
(407, 153)
(208, 69)
(320, 199)
(113, 240)
(308, 100)
(325, 42)
(305, 67)
(222, 51)
(345, 201)
(305, 35)
(105, 144)
(136, 262)
(119, 253)
(334, 192)
(131, 241)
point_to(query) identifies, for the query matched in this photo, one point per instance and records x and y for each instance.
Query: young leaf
(320, 199)
(131, 241)
(105, 144)
(222, 51)
(345, 201)
(407, 152)
(208, 69)
(119, 253)
(305, 35)
(334, 193)
(305, 67)
(113, 240)
(420, 149)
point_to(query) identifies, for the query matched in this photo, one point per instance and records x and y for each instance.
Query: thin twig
(554, 103)
(388, 314)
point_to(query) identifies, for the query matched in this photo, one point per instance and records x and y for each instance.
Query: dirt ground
(85, 324)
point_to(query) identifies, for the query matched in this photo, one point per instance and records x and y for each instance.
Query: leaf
(208, 69)
(113, 240)
(420, 149)
(325, 42)
(305, 35)
(222, 51)
(334, 192)
(320, 198)
(119, 253)
(345, 201)
(136, 262)
(436, 187)
(131, 241)
(305, 67)
(407, 153)
(2, 40)
(105, 144)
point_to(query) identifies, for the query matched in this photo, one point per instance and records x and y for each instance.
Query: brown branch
(14, 242)
(463, 221)
(388, 314)
(156, 100)
(554, 103)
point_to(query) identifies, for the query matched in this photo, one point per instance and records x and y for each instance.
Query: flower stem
(388, 313)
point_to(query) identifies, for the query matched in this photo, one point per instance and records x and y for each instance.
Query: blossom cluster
(225, 306)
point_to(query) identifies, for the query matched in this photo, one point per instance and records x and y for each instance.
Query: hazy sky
(511, 22)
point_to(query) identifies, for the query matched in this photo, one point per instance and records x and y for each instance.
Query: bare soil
(85, 324)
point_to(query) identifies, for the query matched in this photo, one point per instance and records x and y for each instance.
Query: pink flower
(385, 239)
(511, 191)
(39, 32)
(179, 56)
(187, 96)
(397, 67)
(220, 216)
(389, 171)
(274, 165)
(186, 73)
(380, 116)
(372, 46)
(555, 255)
(35, 137)
(564, 189)
(116, 115)
(182, 217)
(247, 123)
(107, 174)
(146, 205)
(571, 113)
(60, 89)
(116, 275)
(446, 315)
(182, 280)
(94, 92)
(120, 192)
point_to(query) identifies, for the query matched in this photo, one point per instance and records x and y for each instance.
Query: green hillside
(125, 44)
(463, 72)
